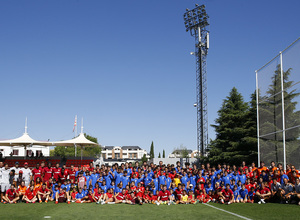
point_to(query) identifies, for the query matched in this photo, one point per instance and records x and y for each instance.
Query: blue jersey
(118, 178)
(54, 193)
(147, 180)
(184, 180)
(104, 188)
(85, 192)
(168, 181)
(226, 180)
(243, 193)
(236, 193)
(242, 178)
(161, 180)
(284, 176)
(67, 187)
(151, 174)
(88, 179)
(155, 183)
(125, 181)
(94, 178)
(136, 181)
(80, 195)
(193, 180)
(117, 190)
(208, 189)
(108, 179)
(235, 177)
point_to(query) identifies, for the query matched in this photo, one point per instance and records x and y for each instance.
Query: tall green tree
(270, 112)
(164, 154)
(152, 151)
(230, 130)
(144, 158)
(159, 155)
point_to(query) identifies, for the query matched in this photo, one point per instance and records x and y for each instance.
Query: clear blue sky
(125, 67)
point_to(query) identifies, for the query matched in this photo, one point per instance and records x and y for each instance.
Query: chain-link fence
(278, 108)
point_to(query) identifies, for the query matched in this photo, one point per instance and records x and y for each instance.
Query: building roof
(131, 147)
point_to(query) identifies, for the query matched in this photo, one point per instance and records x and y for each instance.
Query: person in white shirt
(5, 180)
(17, 169)
(26, 174)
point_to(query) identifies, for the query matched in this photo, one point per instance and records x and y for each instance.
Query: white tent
(24, 141)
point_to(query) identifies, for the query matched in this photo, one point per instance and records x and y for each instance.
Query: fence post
(257, 122)
(283, 111)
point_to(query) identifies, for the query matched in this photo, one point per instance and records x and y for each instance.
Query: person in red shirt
(263, 193)
(11, 195)
(227, 195)
(98, 195)
(56, 172)
(30, 195)
(120, 197)
(47, 174)
(178, 193)
(164, 196)
(37, 172)
(72, 173)
(109, 197)
(61, 196)
(146, 197)
(43, 194)
(63, 175)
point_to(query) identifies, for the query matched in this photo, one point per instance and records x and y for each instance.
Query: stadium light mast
(196, 21)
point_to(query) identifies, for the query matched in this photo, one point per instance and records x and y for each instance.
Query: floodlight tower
(196, 22)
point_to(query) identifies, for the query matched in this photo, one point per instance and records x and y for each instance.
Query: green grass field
(123, 211)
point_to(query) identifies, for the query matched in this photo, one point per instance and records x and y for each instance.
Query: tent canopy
(80, 140)
(24, 140)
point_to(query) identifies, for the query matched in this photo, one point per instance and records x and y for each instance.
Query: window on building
(104, 156)
(29, 153)
(38, 153)
(117, 156)
(15, 152)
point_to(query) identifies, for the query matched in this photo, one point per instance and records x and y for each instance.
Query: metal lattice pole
(196, 21)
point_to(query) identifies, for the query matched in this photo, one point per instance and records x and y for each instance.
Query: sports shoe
(102, 203)
(259, 202)
(263, 201)
(97, 202)
(4, 202)
(157, 203)
(228, 203)
(69, 202)
(78, 201)
(169, 203)
(33, 202)
(41, 201)
(56, 202)
(222, 201)
(46, 201)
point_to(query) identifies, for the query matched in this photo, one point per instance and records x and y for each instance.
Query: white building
(37, 150)
(124, 152)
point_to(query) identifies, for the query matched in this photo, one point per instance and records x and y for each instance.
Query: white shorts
(4, 187)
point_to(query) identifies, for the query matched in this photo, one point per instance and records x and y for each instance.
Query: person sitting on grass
(22, 190)
(244, 194)
(163, 196)
(98, 195)
(61, 196)
(286, 191)
(121, 197)
(191, 198)
(227, 195)
(236, 195)
(30, 195)
(43, 194)
(54, 190)
(80, 196)
(109, 197)
(184, 198)
(263, 194)
(11, 196)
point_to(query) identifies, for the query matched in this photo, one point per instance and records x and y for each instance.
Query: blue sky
(125, 66)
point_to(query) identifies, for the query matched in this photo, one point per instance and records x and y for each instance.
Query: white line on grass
(227, 212)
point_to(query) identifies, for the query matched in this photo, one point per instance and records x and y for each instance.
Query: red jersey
(97, 195)
(91, 197)
(37, 173)
(61, 195)
(62, 177)
(11, 194)
(47, 174)
(133, 188)
(109, 195)
(147, 197)
(164, 195)
(120, 196)
(56, 172)
(30, 194)
(43, 190)
(264, 191)
(227, 193)
(178, 193)
(141, 189)
(71, 174)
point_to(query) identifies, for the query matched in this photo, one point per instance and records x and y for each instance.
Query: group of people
(150, 183)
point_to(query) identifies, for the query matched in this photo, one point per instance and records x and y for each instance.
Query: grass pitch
(123, 211)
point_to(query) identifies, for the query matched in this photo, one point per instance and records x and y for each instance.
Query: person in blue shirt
(209, 188)
(147, 179)
(239, 185)
(88, 178)
(185, 180)
(192, 178)
(178, 167)
(168, 181)
(242, 178)
(94, 178)
(108, 177)
(226, 179)
(104, 187)
(244, 194)
(135, 180)
(156, 183)
(118, 176)
(55, 189)
(113, 186)
(232, 184)
(161, 180)
(125, 179)
(85, 190)
(150, 173)
(236, 195)
(100, 180)
(235, 176)
(218, 180)
(66, 186)
(80, 195)
(251, 194)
